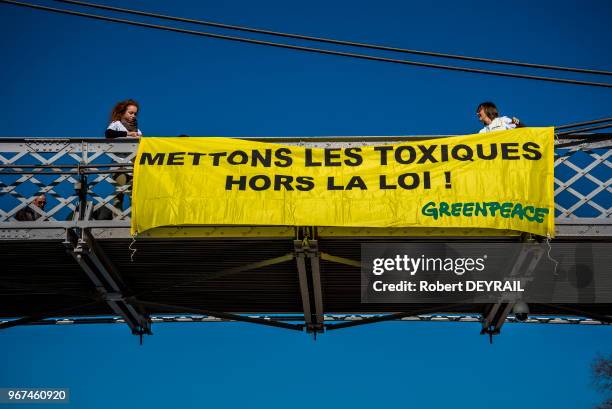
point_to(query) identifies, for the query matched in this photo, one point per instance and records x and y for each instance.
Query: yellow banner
(500, 180)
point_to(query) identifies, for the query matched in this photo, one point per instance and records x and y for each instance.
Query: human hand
(133, 134)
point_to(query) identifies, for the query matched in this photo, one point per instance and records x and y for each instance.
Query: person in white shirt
(489, 116)
(123, 123)
(123, 120)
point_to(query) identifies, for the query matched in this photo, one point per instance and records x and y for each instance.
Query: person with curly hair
(123, 124)
(123, 120)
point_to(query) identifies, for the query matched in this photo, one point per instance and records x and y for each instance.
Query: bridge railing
(60, 168)
(82, 177)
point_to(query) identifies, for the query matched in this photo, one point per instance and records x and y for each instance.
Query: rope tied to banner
(132, 249)
(549, 256)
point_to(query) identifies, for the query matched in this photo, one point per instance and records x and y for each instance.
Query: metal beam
(495, 319)
(310, 283)
(225, 273)
(203, 319)
(36, 318)
(223, 315)
(524, 265)
(315, 268)
(392, 317)
(599, 228)
(340, 260)
(106, 280)
(300, 257)
(599, 317)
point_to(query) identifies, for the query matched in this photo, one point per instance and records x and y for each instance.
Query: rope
(133, 249)
(549, 256)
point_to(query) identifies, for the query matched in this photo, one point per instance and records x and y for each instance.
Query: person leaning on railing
(489, 116)
(123, 124)
(124, 120)
(27, 214)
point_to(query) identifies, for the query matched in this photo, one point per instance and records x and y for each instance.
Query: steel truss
(95, 161)
(167, 319)
(78, 177)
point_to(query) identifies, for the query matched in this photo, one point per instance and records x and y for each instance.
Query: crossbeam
(211, 319)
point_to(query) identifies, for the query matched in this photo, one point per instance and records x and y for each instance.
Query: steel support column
(310, 283)
(525, 264)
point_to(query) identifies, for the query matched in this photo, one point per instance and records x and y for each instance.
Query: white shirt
(501, 123)
(118, 126)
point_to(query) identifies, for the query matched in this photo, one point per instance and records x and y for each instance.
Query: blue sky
(61, 76)
(239, 365)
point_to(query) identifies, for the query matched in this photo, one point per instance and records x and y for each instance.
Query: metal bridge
(77, 263)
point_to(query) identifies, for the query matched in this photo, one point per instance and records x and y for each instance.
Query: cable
(596, 121)
(590, 128)
(308, 49)
(333, 41)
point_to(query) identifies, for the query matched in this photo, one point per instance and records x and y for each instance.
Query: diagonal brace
(224, 315)
(106, 279)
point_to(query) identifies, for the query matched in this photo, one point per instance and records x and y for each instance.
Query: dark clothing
(112, 134)
(27, 215)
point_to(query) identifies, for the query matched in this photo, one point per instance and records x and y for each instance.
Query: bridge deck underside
(40, 277)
